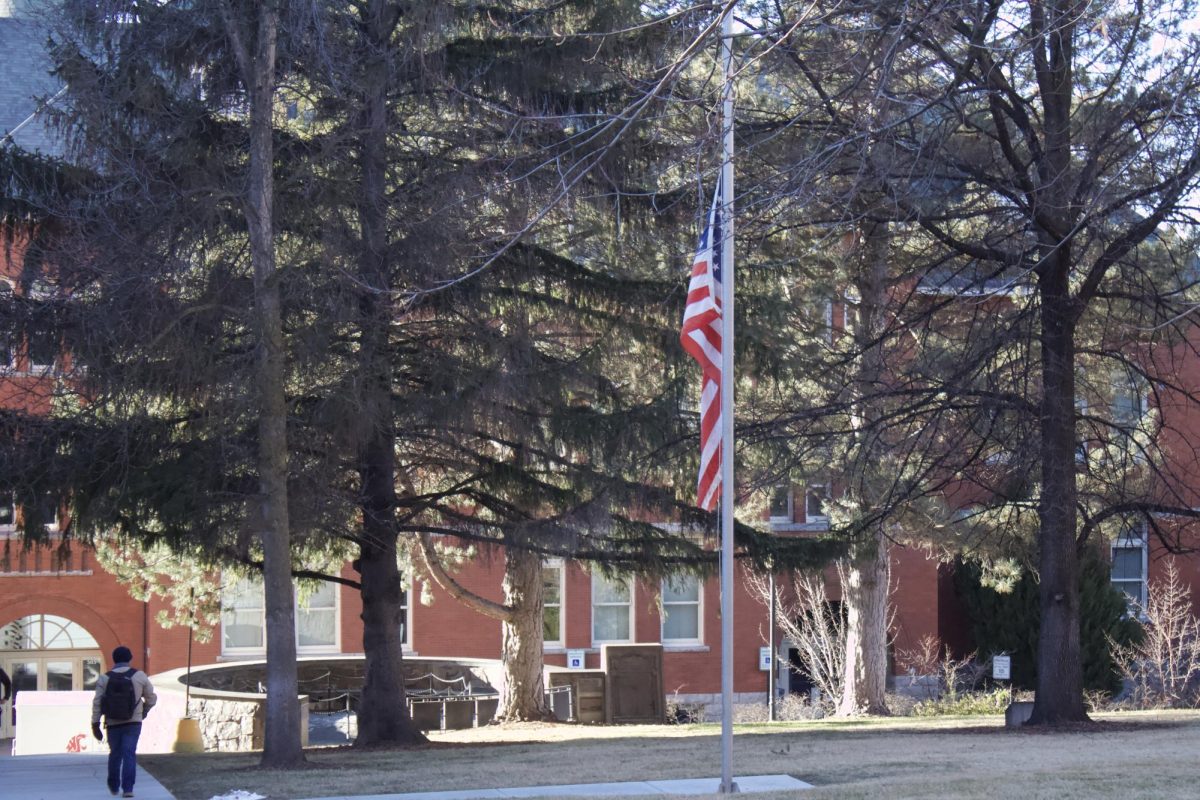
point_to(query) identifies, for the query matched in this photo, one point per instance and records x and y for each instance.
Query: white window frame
(37, 368)
(791, 505)
(244, 652)
(561, 641)
(262, 624)
(699, 610)
(335, 646)
(629, 605)
(9, 527)
(406, 607)
(1133, 539)
(814, 519)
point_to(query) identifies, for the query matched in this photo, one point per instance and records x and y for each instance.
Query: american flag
(701, 338)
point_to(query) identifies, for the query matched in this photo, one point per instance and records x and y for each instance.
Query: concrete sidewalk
(693, 786)
(67, 777)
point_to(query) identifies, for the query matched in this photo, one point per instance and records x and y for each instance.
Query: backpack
(119, 699)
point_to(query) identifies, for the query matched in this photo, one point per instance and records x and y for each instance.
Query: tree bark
(865, 595)
(382, 711)
(281, 736)
(521, 617)
(1060, 673)
(865, 584)
(522, 640)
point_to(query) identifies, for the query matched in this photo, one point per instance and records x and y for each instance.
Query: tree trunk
(865, 595)
(281, 740)
(521, 617)
(521, 648)
(1060, 673)
(382, 711)
(865, 583)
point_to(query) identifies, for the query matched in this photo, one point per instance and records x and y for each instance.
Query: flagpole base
(729, 788)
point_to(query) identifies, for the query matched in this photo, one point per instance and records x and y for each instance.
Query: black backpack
(119, 699)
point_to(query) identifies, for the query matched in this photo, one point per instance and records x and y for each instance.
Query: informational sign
(1001, 667)
(764, 659)
(576, 659)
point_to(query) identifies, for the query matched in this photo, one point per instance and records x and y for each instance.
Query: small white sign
(1001, 667)
(576, 659)
(764, 659)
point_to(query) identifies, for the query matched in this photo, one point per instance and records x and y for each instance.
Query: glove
(99, 734)
(146, 712)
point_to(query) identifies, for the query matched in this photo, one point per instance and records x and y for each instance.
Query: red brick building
(61, 614)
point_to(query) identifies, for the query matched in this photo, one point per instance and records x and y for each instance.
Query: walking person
(123, 697)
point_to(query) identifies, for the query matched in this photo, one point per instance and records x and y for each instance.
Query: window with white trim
(316, 618)
(612, 609)
(243, 623)
(781, 504)
(406, 613)
(552, 603)
(8, 511)
(42, 349)
(681, 610)
(243, 619)
(815, 497)
(1129, 566)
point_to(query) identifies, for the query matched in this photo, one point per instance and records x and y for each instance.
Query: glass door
(53, 671)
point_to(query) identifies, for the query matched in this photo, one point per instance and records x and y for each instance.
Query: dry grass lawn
(1128, 755)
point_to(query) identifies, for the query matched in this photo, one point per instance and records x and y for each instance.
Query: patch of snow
(239, 794)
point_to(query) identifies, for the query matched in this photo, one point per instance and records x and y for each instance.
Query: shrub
(965, 705)
(1163, 670)
(1009, 622)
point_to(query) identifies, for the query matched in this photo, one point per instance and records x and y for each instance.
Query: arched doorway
(48, 653)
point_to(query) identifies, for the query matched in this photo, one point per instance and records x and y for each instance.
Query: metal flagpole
(727, 784)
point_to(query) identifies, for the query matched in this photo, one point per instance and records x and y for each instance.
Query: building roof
(25, 85)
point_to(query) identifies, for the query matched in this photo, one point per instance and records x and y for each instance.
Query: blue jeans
(122, 756)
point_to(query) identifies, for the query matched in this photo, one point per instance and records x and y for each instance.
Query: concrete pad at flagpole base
(68, 777)
(687, 786)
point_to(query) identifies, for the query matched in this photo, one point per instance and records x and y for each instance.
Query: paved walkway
(67, 777)
(694, 786)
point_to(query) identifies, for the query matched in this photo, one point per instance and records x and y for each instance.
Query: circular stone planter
(228, 700)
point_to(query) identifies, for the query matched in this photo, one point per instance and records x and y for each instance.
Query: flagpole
(727, 280)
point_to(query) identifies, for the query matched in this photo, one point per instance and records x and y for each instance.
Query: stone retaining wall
(229, 725)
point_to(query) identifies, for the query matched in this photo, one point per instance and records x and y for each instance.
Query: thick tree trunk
(1060, 673)
(865, 595)
(281, 740)
(521, 649)
(521, 616)
(382, 711)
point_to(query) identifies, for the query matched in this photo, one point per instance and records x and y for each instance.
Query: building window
(405, 614)
(316, 619)
(45, 632)
(681, 610)
(815, 499)
(243, 619)
(781, 504)
(43, 350)
(612, 609)
(8, 511)
(552, 603)
(1129, 565)
(1129, 400)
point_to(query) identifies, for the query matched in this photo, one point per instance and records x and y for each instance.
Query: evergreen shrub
(1009, 622)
